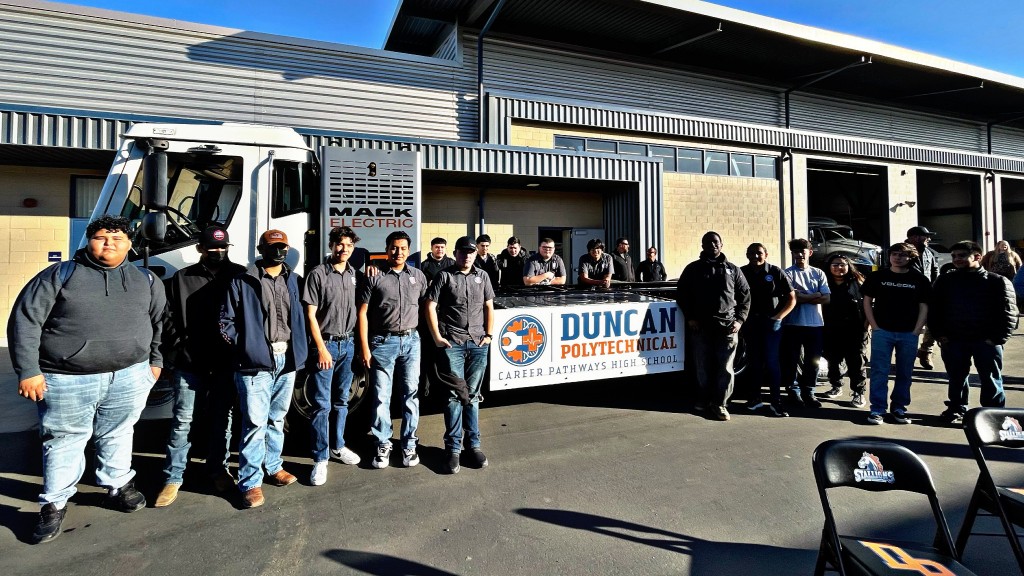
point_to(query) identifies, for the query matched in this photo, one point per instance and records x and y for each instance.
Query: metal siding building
(669, 73)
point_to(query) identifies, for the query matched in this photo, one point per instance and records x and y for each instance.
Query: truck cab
(828, 237)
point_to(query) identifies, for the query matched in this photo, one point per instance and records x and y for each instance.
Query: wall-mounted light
(908, 204)
(533, 185)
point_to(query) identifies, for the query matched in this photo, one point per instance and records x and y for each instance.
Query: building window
(85, 192)
(569, 143)
(679, 159)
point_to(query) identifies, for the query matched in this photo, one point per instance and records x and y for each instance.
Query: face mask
(215, 257)
(273, 254)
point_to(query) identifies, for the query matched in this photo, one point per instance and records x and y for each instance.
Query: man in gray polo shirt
(330, 300)
(544, 267)
(388, 315)
(596, 265)
(460, 311)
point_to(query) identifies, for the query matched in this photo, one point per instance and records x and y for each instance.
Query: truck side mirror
(154, 226)
(154, 185)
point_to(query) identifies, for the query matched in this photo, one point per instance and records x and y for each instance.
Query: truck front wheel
(303, 405)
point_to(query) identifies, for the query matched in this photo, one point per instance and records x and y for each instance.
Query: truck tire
(302, 397)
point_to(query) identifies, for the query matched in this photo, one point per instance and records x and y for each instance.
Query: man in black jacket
(511, 262)
(194, 348)
(715, 300)
(972, 314)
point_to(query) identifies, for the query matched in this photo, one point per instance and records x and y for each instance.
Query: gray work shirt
(536, 265)
(279, 304)
(596, 270)
(460, 302)
(393, 299)
(334, 295)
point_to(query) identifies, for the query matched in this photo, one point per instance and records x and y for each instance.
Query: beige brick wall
(28, 234)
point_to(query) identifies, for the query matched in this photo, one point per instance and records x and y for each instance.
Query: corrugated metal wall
(77, 62)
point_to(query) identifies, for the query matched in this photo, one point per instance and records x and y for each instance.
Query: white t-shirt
(807, 281)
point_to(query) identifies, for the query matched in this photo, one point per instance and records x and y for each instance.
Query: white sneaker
(410, 458)
(383, 457)
(319, 475)
(345, 456)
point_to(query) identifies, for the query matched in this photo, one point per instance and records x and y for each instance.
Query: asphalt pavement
(609, 477)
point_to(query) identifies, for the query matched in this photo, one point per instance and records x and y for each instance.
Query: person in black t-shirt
(771, 299)
(846, 332)
(896, 307)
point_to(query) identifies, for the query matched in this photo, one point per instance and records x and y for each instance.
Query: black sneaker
(811, 402)
(926, 360)
(126, 498)
(900, 417)
(777, 411)
(794, 399)
(875, 418)
(834, 393)
(453, 462)
(858, 400)
(951, 417)
(50, 519)
(477, 458)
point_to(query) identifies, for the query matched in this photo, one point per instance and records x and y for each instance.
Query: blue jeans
(713, 353)
(883, 343)
(395, 355)
(221, 396)
(988, 359)
(469, 362)
(105, 406)
(762, 346)
(335, 381)
(795, 338)
(264, 398)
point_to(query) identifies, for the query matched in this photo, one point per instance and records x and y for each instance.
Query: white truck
(176, 179)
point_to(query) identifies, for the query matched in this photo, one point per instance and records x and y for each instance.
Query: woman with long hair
(1002, 260)
(846, 331)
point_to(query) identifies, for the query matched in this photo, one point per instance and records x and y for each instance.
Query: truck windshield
(201, 191)
(840, 233)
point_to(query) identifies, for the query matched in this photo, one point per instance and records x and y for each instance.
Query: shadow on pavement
(382, 564)
(707, 557)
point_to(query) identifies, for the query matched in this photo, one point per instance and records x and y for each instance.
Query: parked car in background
(828, 237)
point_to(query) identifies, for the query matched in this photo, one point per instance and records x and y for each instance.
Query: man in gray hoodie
(85, 342)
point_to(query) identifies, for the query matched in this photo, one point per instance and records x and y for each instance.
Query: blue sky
(985, 33)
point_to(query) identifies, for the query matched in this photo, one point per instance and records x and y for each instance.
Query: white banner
(556, 344)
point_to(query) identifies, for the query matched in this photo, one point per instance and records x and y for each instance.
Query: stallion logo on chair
(1011, 430)
(869, 469)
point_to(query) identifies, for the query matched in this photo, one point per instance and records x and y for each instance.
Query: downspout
(787, 156)
(481, 107)
(481, 211)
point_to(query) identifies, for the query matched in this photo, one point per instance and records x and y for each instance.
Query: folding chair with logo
(986, 428)
(879, 467)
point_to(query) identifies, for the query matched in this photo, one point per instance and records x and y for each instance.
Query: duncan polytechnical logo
(869, 469)
(522, 340)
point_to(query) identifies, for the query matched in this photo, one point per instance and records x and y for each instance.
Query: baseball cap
(214, 237)
(273, 237)
(920, 231)
(465, 244)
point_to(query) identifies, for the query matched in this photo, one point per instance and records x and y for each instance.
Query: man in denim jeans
(263, 320)
(330, 299)
(896, 307)
(388, 314)
(196, 351)
(85, 342)
(460, 311)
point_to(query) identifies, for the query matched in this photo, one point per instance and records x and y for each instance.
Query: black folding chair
(987, 427)
(879, 467)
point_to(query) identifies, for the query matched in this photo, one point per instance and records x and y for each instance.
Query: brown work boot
(253, 498)
(222, 481)
(166, 496)
(281, 478)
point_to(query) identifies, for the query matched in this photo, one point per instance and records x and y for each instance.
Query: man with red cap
(264, 321)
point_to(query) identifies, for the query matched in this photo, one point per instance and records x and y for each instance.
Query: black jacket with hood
(714, 292)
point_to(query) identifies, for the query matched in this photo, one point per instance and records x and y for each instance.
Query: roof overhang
(710, 39)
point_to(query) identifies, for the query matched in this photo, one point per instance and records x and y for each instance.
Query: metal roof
(706, 38)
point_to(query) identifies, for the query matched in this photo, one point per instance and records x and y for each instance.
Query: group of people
(789, 319)
(89, 338)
